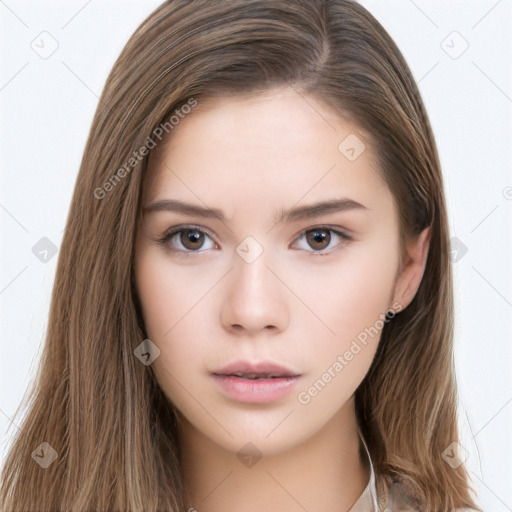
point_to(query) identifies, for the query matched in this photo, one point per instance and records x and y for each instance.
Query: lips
(261, 382)
(256, 371)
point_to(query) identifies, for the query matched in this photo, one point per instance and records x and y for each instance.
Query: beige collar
(368, 501)
(379, 496)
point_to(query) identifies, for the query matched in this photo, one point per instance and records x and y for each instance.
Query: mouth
(256, 376)
(256, 370)
(260, 382)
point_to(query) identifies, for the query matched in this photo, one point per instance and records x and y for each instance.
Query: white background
(47, 106)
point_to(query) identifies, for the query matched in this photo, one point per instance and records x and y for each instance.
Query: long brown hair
(93, 402)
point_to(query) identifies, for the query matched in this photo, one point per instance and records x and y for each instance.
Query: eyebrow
(293, 214)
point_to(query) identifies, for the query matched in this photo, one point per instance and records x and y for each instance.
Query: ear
(409, 279)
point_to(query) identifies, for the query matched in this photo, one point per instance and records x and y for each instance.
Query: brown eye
(187, 240)
(322, 240)
(191, 239)
(318, 239)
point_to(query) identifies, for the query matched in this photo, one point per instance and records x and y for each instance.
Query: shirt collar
(392, 497)
(368, 501)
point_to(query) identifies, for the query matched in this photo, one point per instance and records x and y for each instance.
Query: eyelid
(336, 229)
(191, 227)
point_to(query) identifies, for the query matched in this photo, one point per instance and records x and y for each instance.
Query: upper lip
(267, 368)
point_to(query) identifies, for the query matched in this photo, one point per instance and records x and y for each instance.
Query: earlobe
(409, 280)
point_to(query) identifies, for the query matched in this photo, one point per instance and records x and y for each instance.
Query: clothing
(380, 497)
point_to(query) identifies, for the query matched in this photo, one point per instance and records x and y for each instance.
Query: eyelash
(187, 252)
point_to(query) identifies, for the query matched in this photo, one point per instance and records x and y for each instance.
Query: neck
(325, 469)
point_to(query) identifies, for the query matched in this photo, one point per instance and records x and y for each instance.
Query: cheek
(351, 297)
(154, 287)
(167, 294)
(348, 295)
(173, 312)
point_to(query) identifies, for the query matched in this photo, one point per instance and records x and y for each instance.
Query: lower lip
(255, 391)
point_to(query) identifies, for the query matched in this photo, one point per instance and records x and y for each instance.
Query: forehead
(280, 138)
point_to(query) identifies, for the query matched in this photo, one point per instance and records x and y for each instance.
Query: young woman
(253, 303)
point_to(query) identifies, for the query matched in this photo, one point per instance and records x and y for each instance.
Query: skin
(251, 157)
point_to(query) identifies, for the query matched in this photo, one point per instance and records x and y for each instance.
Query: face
(266, 284)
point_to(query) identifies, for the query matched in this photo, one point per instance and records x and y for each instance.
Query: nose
(254, 299)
